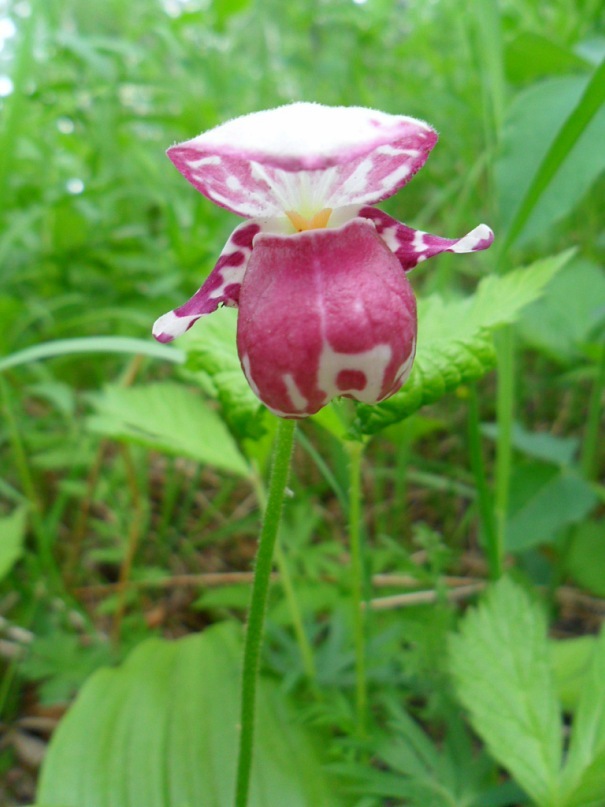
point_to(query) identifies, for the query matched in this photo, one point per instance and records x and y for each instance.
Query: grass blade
(570, 132)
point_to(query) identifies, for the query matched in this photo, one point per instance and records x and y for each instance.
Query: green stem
(590, 443)
(355, 452)
(260, 589)
(484, 498)
(505, 403)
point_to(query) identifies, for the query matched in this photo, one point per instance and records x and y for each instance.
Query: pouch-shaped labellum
(324, 313)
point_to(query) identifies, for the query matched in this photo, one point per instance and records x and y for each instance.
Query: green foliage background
(126, 466)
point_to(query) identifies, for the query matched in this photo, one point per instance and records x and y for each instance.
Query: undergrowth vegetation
(450, 657)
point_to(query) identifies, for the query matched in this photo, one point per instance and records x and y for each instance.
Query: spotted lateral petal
(304, 157)
(414, 246)
(222, 285)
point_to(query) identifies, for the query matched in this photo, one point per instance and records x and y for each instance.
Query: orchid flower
(317, 272)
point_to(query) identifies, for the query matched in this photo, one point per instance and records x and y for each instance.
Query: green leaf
(501, 667)
(568, 314)
(167, 417)
(455, 345)
(211, 351)
(61, 662)
(585, 768)
(551, 152)
(586, 557)
(543, 502)
(161, 731)
(532, 56)
(92, 344)
(12, 537)
(571, 661)
(589, 793)
(541, 445)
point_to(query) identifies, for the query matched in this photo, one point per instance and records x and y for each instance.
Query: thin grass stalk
(304, 645)
(256, 620)
(505, 409)
(590, 442)
(484, 498)
(306, 651)
(74, 550)
(15, 106)
(133, 538)
(486, 35)
(489, 48)
(355, 452)
(43, 538)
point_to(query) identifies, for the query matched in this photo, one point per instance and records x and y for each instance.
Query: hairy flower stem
(260, 589)
(355, 452)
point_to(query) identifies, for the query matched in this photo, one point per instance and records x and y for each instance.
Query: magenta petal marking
(325, 313)
(412, 247)
(261, 164)
(222, 286)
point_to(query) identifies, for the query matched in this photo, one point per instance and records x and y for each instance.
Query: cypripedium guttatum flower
(318, 274)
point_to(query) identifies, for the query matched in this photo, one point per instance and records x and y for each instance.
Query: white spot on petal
(248, 373)
(229, 275)
(372, 363)
(233, 183)
(470, 241)
(169, 325)
(298, 399)
(418, 243)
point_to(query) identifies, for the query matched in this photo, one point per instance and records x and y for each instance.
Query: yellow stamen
(317, 222)
(298, 222)
(320, 220)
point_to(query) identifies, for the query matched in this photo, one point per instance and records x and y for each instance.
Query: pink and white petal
(415, 246)
(304, 156)
(222, 286)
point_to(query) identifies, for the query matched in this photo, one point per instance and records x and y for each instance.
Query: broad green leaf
(552, 152)
(585, 767)
(501, 667)
(455, 345)
(12, 537)
(541, 445)
(543, 502)
(571, 661)
(589, 793)
(167, 417)
(92, 344)
(586, 558)
(211, 350)
(532, 56)
(161, 731)
(568, 314)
